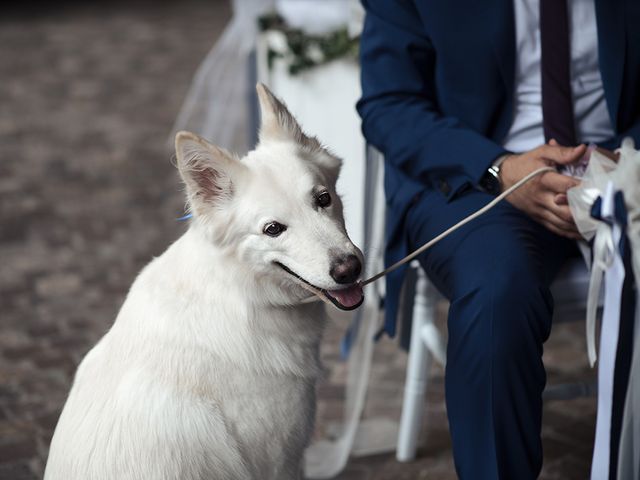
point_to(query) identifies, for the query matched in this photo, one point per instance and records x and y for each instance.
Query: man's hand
(544, 197)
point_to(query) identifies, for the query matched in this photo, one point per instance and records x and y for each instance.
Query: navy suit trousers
(496, 272)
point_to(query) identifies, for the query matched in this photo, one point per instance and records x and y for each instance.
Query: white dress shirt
(590, 110)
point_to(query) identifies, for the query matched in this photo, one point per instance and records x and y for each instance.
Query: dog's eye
(274, 229)
(323, 200)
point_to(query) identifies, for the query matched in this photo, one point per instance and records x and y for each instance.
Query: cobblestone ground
(88, 196)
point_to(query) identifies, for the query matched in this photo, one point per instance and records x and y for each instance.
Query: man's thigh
(502, 243)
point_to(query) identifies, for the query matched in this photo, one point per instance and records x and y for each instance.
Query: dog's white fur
(209, 369)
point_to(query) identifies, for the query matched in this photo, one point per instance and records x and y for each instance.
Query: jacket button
(444, 186)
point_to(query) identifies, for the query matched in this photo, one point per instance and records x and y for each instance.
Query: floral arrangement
(305, 51)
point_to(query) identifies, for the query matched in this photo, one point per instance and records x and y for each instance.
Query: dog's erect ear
(276, 121)
(278, 124)
(206, 170)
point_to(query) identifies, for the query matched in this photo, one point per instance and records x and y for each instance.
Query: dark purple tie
(557, 104)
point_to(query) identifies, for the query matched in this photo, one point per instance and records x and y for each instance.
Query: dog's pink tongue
(348, 297)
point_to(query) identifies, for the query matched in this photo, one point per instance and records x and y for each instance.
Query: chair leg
(417, 371)
(436, 345)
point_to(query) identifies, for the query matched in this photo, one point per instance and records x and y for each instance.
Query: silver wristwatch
(490, 181)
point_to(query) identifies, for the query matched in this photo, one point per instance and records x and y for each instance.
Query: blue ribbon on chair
(624, 351)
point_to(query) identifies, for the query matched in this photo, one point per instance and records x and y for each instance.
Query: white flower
(277, 41)
(315, 54)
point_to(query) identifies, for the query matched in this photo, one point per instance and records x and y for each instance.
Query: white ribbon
(603, 257)
(607, 259)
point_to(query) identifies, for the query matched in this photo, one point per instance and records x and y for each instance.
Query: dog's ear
(278, 124)
(206, 170)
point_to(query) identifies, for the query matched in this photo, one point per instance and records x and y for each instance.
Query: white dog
(209, 369)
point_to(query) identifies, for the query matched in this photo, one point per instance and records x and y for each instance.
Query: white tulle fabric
(216, 106)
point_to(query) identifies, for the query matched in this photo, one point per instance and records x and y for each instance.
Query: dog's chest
(272, 418)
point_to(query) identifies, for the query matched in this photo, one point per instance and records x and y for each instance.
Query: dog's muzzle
(348, 298)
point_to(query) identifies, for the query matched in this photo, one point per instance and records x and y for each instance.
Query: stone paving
(88, 195)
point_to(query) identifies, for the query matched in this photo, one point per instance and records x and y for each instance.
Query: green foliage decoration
(307, 51)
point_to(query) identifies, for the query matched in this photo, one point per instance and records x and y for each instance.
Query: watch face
(490, 184)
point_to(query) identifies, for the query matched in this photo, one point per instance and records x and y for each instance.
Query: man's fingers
(551, 226)
(561, 199)
(541, 219)
(547, 212)
(561, 224)
(561, 211)
(561, 233)
(557, 182)
(568, 228)
(561, 155)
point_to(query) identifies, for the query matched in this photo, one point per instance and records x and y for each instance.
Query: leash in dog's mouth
(348, 298)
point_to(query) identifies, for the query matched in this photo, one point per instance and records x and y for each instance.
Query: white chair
(420, 300)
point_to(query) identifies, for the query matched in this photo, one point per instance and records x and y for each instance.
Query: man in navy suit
(464, 98)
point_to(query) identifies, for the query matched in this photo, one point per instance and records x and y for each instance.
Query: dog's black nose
(346, 269)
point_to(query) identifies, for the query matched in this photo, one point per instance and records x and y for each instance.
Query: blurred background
(89, 92)
(89, 95)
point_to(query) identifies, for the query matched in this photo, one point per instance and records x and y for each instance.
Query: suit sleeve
(399, 107)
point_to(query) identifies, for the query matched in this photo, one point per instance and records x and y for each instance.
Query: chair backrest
(374, 214)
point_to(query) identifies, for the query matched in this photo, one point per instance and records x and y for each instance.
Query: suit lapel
(611, 52)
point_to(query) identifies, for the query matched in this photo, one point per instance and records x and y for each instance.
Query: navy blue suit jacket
(438, 88)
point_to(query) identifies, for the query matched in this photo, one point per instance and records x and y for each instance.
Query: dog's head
(276, 210)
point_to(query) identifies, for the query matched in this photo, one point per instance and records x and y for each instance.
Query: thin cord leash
(461, 223)
(450, 230)
(435, 240)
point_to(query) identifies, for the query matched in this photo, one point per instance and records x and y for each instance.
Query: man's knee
(511, 305)
(521, 309)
